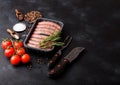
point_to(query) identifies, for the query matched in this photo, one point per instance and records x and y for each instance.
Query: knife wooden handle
(53, 61)
(59, 68)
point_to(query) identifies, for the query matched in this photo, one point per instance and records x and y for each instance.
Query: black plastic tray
(32, 30)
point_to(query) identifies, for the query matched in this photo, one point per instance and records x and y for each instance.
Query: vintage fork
(57, 55)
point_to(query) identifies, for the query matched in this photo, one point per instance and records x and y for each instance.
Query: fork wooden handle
(53, 61)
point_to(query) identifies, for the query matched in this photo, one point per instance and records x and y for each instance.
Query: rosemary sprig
(51, 41)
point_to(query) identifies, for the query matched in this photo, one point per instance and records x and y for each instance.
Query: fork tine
(67, 41)
(66, 38)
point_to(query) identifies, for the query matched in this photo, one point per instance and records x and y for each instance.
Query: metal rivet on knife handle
(58, 69)
(53, 61)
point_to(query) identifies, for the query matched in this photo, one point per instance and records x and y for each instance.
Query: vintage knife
(65, 61)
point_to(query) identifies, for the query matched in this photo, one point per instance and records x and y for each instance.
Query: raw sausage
(33, 42)
(41, 33)
(48, 27)
(50, 23)
(44, 30)
(32, 45)
(35, 39)
(38, 36)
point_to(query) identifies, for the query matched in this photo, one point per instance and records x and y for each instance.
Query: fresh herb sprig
(51, 41)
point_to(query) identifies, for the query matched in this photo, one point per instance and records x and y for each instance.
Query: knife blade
(74, 54)
(65, 62)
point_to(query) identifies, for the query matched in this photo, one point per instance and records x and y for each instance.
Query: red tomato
(20, 51)
(18, 44)
(9, 52)
(25, 58)
(15, 60)
(6, 43)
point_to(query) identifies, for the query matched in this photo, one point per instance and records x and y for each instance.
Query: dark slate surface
(93, 24)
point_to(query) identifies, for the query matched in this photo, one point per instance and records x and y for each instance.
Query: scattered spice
(29, 67)
(32, 16)
(39, 61)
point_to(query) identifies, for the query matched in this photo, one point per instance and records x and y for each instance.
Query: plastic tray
(32, 30)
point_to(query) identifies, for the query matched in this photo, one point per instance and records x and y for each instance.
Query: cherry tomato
(25, 58)
(20, 51)
(9, 52)
(15, 60)
(18, 44)
(6, 43)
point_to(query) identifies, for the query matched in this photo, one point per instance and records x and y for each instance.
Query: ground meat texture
(44, 30)
(48, 27)
(39, 36)
(42, 33)
(33, 45)
(36, 39)
(33, 42)
(50, 23)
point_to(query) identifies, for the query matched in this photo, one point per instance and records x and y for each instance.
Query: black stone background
(93, 24)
